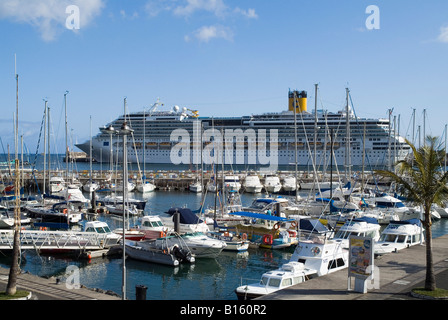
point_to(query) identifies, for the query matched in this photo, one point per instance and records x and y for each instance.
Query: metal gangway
(54, 240)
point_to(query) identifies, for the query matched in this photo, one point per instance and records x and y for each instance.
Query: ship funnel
(300, 103)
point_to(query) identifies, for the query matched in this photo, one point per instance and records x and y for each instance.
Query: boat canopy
(312, 225)
(366, 219)
(415, 221)
(186, 215)
(259, 216)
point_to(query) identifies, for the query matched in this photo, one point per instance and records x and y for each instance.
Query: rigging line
(366, 155)
(37, 152)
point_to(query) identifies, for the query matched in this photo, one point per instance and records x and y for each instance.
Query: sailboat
(143, 185)
(195, 187)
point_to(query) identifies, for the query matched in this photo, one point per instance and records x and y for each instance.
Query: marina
(205, 279)
(230, 201)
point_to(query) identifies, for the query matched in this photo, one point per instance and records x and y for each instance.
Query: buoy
(268, 239)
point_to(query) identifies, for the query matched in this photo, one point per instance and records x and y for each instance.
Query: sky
(220, 57)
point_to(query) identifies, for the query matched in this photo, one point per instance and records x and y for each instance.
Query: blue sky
(220, 57)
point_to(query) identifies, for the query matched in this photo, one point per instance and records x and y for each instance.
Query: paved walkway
(399, 273)
(48, 289)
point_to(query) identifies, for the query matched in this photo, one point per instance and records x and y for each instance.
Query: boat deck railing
(61, 240)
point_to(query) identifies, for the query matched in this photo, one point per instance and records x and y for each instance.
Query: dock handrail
(68, 240)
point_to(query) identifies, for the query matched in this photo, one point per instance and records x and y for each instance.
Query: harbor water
(207, 279)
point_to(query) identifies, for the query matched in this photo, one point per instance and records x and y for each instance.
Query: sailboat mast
(295, 139)
(67, 152)
(48, 149)
(347, 138)
(315, 124)
(45, 146)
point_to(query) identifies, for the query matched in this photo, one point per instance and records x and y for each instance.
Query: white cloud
(49, 16)
(217, 7)
(125, 15)
(249, 13)
(443, 36)
(207, 33)
(188, 9)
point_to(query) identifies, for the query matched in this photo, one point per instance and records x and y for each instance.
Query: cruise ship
(296, 136)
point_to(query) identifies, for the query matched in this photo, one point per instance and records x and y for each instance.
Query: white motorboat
(153, 227)
(195, 187)
(233, 242)
(102, 228)
(145, 251)
(130, 210)
(399, 235)
(442, 210)
(287, 275)
(145, 187)
(252, 184)
(114, 199)
(73, 194)
(363, 227)
(90, 186)
(289, 184)
(212, 187)
(6, 221)
(272, 184)
(232, 183)
(321, 254)
(394, 206)
(188, 221)
(56, 184)
(119, 187)
(202, 246)
(199, 244)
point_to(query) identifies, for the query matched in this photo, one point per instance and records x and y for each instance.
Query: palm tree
(422, 181)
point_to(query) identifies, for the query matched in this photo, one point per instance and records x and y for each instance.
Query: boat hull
(154, 256)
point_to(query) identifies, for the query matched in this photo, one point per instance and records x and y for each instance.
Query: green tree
(421, 180)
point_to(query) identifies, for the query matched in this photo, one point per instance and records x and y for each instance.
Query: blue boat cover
(259, 216)
(186, 215)
(410, 221)
(367, 219)
(265, 200)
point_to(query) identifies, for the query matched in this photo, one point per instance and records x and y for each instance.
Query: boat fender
(268, 239)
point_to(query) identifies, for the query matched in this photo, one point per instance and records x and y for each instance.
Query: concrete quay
(399, 273)
(50, 289)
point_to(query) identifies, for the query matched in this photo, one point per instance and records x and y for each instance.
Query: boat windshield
(272, 282)
(398, 238)
(342, 234)
(153, 224)
(98, 229)
(258, 205)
